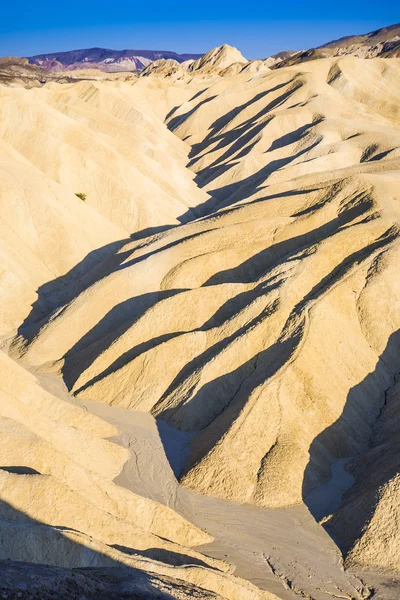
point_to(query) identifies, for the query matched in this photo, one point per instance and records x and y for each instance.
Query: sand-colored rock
(80, 139)
(252, 301)
(134, 173)
(282, 271)
(59, 505)
(165, 68)
(265, 327)
(64, 442)
(223, 61)
(368, 521)
(72, 549)
(216, 60)
(25, 580)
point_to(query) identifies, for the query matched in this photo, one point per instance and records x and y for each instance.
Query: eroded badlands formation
(233, 272)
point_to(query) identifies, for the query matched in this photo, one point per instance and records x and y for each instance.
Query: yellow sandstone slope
(266, 326)
(59, 505)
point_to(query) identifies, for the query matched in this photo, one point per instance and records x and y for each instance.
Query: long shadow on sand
(98, 264)
(220, 401)
(111, 327)
(349, 439)
(32, 555)
(242, 139)
(57, 292)
(120, 318)
(31, 552)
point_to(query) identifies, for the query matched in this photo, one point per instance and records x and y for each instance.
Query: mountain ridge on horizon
(384, 41)
(105, 59)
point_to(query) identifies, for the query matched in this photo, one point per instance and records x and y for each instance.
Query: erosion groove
(201, 329)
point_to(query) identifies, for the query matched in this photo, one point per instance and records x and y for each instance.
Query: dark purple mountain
(104, 59)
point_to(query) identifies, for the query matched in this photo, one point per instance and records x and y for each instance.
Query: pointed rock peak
(218, 58)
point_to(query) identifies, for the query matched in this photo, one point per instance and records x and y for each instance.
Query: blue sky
(257, 28)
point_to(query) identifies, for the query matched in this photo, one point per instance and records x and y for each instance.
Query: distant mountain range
(383, 35)
(384, 42)
(105, 60)
(227, 61)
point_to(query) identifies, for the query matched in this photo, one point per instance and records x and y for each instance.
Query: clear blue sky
(257, 28)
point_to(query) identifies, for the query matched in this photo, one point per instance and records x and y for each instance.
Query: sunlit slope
(274, 127)
(257, 325)
(93, 138)
(101, 140)
(46, 231)
(59, 505)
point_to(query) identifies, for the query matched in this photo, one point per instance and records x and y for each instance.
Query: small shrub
(81, 195)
